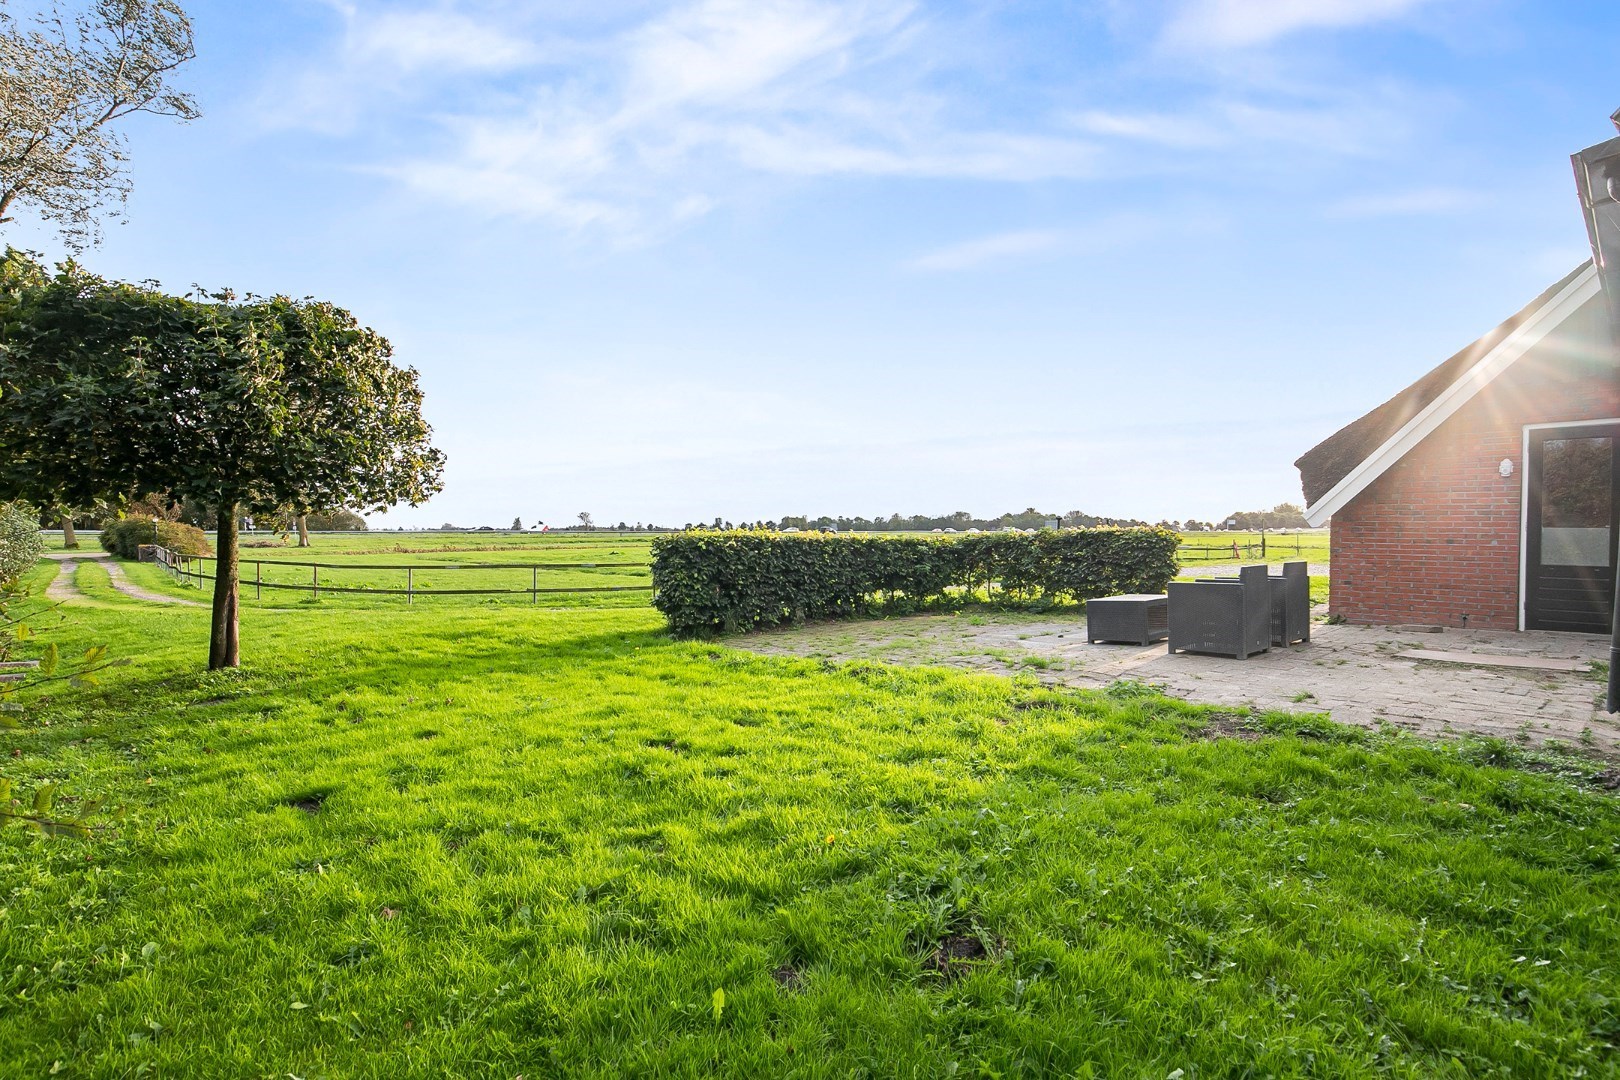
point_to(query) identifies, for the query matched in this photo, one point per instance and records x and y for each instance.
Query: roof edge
(1536, 326)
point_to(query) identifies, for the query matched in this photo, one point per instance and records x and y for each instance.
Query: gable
(1344, 464)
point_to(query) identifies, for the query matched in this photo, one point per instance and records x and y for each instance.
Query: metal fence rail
(193, 569)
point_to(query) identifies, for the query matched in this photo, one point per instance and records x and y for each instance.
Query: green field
(501, 561)
(1311, 546)
(498, 841)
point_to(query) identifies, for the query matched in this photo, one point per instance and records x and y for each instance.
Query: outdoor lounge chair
(1222, 616)
(1291, 604)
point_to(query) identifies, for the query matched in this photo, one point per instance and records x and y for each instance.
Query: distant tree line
(961, 521)
(1281, 516)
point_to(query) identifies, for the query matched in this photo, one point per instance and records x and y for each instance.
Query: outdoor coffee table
(1128, 619)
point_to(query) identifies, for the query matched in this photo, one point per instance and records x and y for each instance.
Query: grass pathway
(62, 587)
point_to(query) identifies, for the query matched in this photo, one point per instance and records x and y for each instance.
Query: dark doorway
(1571, 528)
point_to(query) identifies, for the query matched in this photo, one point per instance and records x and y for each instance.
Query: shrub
(124, 538)
(708, 581)
(20, 544)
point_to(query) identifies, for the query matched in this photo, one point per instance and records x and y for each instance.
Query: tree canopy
(65, 82)
(253, 406)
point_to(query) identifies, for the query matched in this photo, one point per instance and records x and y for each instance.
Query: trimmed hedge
(20, 543)
(124, 538)
(720, 582)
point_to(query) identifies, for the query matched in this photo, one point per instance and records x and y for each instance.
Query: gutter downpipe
(1597, 180)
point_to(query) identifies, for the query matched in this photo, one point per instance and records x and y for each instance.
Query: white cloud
(1111, 233)
(972, 253)
(1418, 202)
(643, 116)
(446, 41)
(1358, 121)
(679, 104)
(1229, 24)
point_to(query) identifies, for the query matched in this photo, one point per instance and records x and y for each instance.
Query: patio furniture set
(1235, 617)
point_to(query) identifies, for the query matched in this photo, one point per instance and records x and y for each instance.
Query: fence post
(534, 584)
(314, 582)
(258, 579)
(409, 585)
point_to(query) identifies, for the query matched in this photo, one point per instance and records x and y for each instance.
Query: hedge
(20, 544)
(719, 582)
(125, 538)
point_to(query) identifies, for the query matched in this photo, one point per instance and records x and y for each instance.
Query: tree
(64, 84)
(585, 520)
(249, 407)
(517, 524)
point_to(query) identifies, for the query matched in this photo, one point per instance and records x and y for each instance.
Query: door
(1571, 528)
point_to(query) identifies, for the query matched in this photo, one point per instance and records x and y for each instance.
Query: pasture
(380, 560)
(484, 840)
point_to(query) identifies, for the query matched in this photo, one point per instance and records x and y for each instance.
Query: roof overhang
(1503, 355)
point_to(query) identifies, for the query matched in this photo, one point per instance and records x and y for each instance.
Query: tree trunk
(303, 530)
(70, 539)
(223, 647)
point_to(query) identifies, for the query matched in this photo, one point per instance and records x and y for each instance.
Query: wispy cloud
(1418, 202)
(973, 253)
(649, 115)
(1356, 122)
(1232, 24)
(1114, 232)
(786, 87)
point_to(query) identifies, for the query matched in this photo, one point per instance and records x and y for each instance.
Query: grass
(496, 841)
(1312, 546)
(500, 561)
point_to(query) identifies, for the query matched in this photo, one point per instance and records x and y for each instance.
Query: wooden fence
(193, 569)
(1236, 550)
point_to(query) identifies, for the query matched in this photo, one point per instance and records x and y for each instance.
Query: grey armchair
(1291, 604)
(1222, 616)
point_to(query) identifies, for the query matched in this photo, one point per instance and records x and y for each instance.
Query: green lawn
(1200, 550)
(489, 841)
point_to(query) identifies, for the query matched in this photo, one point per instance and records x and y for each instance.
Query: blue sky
(668, 261)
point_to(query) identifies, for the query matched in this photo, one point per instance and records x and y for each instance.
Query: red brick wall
(1436, 538)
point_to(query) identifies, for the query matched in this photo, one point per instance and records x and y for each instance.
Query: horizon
(673, 261)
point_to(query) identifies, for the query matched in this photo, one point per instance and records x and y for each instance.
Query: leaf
(298, 1005)
(47, 663)
(94, 653)
(43, 799)
(21, 631)
(719, 1000)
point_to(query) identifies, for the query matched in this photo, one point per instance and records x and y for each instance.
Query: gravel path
(62, 587)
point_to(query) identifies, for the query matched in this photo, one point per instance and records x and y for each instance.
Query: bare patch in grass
(788, 977)
(1226, 725)
(959, 954)
(310, 802)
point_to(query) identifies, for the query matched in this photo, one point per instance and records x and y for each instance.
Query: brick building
(1486, 493)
